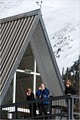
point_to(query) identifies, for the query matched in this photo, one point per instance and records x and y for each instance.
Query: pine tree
(72, 73)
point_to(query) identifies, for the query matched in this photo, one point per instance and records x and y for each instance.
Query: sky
(61, 18)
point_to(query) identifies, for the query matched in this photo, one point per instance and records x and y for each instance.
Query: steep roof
(16, 33)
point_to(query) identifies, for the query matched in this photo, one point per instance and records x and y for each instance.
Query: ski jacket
(43, 94)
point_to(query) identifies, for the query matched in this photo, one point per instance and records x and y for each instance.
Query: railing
(59, 107)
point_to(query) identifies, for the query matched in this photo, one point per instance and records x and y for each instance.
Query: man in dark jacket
(43, 93)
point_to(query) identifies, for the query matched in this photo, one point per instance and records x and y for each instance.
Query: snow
(62, 21)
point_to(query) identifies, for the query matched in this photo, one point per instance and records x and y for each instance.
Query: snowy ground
(62, 21)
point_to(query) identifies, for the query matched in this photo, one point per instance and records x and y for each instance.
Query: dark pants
(43, 109)
(32, 108)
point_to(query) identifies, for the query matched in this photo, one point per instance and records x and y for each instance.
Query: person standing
(30, 96)
(42, 93)
(69, 90)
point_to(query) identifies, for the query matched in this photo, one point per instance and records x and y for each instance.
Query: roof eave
(22, 15)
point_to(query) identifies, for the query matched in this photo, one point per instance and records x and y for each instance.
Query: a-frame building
(24, 40)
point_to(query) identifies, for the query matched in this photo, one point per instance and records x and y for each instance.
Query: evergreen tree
(72, 73)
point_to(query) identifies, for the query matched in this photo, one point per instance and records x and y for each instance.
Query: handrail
(40, 100)
(52, 102)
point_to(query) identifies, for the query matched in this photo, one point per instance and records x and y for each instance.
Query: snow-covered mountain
(62, 21)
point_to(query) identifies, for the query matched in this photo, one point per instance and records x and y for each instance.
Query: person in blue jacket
(42, 93)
